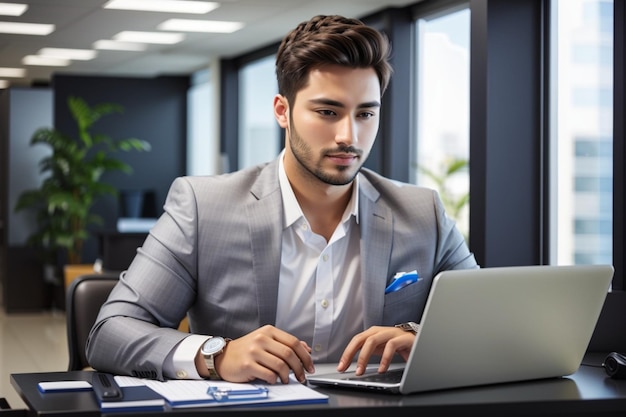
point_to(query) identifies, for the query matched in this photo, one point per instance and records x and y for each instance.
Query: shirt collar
(292, 209)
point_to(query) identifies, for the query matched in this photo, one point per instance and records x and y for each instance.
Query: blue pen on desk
(401, 280)
(229, 394)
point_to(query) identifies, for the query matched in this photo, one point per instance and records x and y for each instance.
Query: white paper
(183, 393)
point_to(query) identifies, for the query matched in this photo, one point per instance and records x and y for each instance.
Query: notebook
(495, 325)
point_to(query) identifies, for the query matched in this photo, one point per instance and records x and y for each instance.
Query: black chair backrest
(85, 296)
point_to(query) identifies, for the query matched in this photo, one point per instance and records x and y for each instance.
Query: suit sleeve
(136, 328)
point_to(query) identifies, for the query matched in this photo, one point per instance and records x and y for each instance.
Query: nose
(346, 131)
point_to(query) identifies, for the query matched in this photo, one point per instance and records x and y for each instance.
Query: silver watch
(210, 349)
(409, 326)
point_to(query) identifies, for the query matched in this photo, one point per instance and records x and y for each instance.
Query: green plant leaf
(72, 182)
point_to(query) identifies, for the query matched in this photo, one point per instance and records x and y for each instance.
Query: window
(581, 115)
(202, 143)
(441, 148)
(259, 137)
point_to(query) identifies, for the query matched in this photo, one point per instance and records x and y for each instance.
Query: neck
(322, 204)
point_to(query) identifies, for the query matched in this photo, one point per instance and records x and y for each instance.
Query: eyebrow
(335, 103)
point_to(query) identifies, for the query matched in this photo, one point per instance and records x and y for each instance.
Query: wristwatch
(409, 326)
(210, 349)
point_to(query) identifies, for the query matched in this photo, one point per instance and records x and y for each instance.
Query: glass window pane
(581, 116)
(202, 135)
(441, 150)
(259, 137)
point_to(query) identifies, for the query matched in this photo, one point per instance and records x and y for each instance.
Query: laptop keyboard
(389, 377)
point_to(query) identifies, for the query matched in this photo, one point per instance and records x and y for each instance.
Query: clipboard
(223, 394)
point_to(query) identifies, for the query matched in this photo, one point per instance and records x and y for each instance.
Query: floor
(30, 342)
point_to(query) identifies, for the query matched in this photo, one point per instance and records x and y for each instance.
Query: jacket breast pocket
(406, 304)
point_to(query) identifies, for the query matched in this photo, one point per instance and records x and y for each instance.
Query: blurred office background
(512, 109)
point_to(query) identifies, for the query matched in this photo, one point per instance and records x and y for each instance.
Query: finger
(356, 343)
(369, 347)
(348, 353)
(295, 355)
(275, 367)
(401, 345)
(267, 361)
(376, 343)
(386, 357)
(281, 352)
(306, 346)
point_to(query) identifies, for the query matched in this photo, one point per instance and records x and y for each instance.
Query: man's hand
(377, 340)
(267, 354)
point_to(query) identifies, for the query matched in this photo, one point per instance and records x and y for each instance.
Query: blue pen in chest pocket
(401, 280)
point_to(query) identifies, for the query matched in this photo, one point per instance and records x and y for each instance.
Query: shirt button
(324, 303)
(305, 226)
(318, 348)
(325, 258)
(181, 374)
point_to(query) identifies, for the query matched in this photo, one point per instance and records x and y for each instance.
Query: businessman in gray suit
(288, 263)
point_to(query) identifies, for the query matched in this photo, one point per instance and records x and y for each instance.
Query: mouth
(343, 159)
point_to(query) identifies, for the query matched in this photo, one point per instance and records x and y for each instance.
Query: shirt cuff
(181, 361)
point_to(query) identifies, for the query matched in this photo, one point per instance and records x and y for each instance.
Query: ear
(281, 110)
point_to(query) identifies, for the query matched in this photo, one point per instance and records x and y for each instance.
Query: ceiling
(80, 23)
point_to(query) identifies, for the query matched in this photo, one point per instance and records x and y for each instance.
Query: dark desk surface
(588, 392)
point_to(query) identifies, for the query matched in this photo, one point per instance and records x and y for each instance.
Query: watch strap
(209, 360)
(409, 326)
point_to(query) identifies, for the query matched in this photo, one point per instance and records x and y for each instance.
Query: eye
(366, 115)
(326, 112)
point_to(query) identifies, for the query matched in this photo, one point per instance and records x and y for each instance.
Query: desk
(588, 392)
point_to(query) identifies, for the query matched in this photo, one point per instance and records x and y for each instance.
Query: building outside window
(581, 139)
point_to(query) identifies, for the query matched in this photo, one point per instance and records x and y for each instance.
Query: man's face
(332, 125)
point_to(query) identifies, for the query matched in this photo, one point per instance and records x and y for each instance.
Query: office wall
(23, 112)
(155, 110)
(30, 109)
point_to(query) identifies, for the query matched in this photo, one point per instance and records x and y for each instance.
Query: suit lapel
(376, 237)
(265, 220)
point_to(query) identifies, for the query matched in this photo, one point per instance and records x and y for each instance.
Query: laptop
(495, 325)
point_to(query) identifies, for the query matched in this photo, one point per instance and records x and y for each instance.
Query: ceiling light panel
(149, 37)
(26, 28)
(112, 45)
(169, 6)
(45, 61)
(209, 26)
(73, 54)
(12, 72)
(12, 9)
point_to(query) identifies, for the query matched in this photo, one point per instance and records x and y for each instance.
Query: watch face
(213, 345)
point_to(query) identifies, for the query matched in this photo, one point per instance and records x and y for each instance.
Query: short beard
(302, 153)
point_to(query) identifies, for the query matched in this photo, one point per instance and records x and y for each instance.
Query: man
(286, 264)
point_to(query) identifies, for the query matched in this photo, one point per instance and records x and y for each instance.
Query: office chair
(84, 297)
(7, 411)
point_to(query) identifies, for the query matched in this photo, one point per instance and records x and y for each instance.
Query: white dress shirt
(320, 294)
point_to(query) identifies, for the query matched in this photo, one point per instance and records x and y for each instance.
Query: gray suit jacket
(215, 255)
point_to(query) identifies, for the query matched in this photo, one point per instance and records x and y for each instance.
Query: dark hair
(327, 40)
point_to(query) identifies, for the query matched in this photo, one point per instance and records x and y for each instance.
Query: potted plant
(75, 166)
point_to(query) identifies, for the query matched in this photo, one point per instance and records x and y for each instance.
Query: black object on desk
(615, 365)
(588, 392)
(105, 387)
